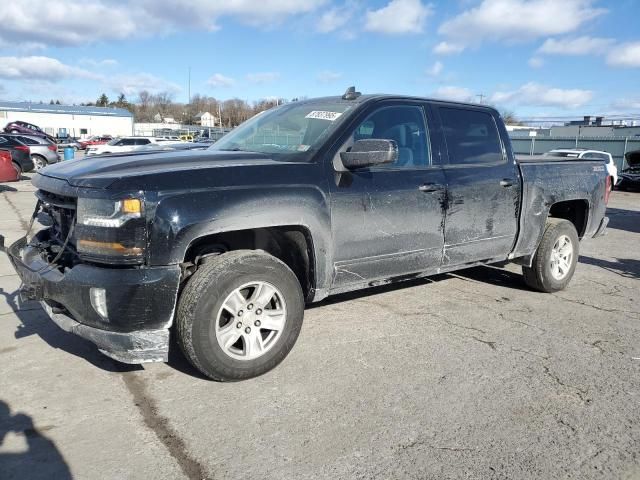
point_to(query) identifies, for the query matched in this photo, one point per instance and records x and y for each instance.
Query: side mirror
(365, 153)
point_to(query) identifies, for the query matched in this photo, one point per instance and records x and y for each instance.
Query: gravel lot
(468, 375)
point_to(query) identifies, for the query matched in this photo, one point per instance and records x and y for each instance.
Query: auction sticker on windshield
(322, 115)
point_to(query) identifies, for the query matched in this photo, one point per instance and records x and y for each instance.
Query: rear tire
(229, 325)
(39, 162)
(555, 259)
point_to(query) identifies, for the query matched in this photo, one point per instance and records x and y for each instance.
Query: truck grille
(61, 210)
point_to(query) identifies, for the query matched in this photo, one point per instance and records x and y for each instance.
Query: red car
(95, 140)
(9, 171)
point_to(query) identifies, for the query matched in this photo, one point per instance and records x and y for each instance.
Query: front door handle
(430, 187)
(506, 183)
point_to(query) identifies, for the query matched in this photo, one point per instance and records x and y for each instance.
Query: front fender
(182, 218)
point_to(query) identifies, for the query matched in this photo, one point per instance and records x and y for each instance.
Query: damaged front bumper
(139, 302)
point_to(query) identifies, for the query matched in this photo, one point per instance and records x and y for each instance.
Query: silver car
(43, 152)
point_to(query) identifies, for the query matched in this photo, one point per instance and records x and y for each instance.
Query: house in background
(205, 119)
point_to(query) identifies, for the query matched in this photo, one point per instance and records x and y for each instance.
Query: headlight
(111, 231)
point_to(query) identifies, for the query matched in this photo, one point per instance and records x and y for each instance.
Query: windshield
(113, 141)
(290, 131)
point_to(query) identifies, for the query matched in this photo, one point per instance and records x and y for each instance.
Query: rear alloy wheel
(555, 260)
(38, 162)
(239, 315)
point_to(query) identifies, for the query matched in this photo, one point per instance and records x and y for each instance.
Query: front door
(387, 219)
(481, 220)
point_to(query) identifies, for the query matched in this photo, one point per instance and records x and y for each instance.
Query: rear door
(481, 221)
(386, 219)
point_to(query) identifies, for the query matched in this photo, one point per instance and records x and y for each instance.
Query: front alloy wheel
(251, 320)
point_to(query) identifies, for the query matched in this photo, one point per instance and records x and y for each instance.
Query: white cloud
(535, 62)
(450, 92)
(625, 55)
(518, 20)
(41, 68)
(535, 94)
(91, 62)
(218, 80)
(74, 24)
(327, 76)
(576, 46)
(446, 48)
(435, 69)
(82, 21)
(131, 84)
(398, 17)
(334, 19)
(263, 77)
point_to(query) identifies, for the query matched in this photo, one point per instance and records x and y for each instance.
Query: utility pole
(189, 86)
(480, 98)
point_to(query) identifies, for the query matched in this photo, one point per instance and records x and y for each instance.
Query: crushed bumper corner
(136, 347)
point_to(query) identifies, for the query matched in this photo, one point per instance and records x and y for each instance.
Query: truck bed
(547, 181)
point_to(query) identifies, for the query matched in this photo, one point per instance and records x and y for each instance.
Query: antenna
(351, 94)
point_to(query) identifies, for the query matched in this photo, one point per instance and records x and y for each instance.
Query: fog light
(98, 298)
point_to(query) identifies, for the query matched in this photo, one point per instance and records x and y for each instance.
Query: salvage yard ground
(467, 375)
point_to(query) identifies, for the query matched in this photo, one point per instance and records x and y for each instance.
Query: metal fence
(616, 146)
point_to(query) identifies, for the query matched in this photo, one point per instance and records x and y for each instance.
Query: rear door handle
(506, 183)
(430, 187)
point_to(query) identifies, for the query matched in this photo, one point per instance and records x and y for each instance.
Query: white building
(205, 119)
(71, 120)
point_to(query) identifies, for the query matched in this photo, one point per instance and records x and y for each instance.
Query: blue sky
(535, 57)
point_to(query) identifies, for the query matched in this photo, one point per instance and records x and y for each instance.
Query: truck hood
(633, 160)
(102, 172)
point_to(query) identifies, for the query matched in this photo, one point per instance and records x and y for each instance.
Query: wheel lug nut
(258, 311)
(240, 312)
(239, 325)
(257, 323)
(250, 306)
(247, 330)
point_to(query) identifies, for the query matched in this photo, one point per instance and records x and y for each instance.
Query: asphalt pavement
(466, 375)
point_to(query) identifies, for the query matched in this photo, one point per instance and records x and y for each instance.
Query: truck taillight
(607, 189)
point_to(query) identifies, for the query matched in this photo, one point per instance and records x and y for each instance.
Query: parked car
(630, 175)
(223, 247)
(20, 153)
(124, 144)
(9, 171)
(26, 128)
(69, 142)
(587, 154)
(95, 140)
(42, 151)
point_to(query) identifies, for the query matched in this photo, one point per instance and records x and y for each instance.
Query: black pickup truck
(223, 247)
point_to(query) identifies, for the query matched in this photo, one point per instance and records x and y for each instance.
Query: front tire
(239, 315)
(556, 257)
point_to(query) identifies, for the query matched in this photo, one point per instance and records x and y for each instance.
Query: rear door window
(472, 136)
